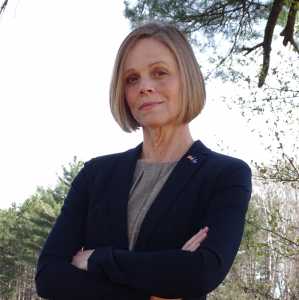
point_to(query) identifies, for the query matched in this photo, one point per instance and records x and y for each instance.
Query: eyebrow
(154, 63)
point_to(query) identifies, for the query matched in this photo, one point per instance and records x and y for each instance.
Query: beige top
(148, 180)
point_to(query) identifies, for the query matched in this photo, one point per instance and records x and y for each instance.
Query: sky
(56, 64)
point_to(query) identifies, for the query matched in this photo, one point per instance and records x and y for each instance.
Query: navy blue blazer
(213, 192)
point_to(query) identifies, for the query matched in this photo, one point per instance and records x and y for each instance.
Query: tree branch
(273, 16)
(3, 7)
(252, 48)
(288, 31)
(266, 229)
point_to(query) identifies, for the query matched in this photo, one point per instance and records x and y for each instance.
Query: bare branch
(3, 7)
(252, 48)
(266, 229)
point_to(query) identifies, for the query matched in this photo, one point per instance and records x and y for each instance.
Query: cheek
(174, 93)
(129, 96)
(131, 99)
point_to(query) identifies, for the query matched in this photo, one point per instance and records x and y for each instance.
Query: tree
(240, 26)
(267, 264)
(243, 271)
(23, 231)
(276, 105)
(8, 249)
(40, 211)
(232, 25)
(214, 25)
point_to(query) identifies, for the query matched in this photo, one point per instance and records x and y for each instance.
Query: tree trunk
(272, 20)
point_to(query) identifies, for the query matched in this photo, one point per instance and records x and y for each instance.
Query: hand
(191, 245)
(195, 241)
(80, 259)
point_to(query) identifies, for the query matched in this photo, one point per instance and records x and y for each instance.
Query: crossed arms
(117, 274)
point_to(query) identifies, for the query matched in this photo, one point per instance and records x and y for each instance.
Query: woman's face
(153, 86)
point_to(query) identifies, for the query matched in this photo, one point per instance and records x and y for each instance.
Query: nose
(145, 87)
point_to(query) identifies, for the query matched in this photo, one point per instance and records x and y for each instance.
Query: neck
(165, 144)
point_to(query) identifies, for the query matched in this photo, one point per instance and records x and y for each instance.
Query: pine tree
(23, 231)
(40, 211)
(240, 26)
(8, 251)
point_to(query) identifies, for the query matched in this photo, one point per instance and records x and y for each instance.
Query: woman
(130, 224)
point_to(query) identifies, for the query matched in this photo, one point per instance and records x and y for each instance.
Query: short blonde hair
(193, 87)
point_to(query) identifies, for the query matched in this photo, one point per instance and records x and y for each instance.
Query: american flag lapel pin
(192, 159)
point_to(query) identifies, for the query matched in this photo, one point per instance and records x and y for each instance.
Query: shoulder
(229, 171)
(225, 170)
(102, 164)
(225, 162)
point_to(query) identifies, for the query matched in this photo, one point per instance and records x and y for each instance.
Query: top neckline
(155, 162)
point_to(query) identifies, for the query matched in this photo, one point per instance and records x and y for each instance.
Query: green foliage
(236, 37)
(64, 183)
(24, 229)
(282, 20)
(268, 256)
(276, 105)
(223, 30)
(8, 249)
(207, 17)
(40, 211)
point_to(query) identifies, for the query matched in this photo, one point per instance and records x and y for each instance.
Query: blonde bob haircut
(193, 87)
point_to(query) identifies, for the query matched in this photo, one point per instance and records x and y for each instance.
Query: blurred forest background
(238, 37)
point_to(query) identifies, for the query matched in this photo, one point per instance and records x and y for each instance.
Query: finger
(195, 238)
(199, 234)
(206, 229)
(188, 243)
(195, 242)
(194, 247)
(202, 237)
(198, 241)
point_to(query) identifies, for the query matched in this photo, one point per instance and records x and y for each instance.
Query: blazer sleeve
(56, 278)
(179, 273)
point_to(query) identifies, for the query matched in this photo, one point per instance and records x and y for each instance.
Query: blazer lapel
(121, 185)
(119, 195)
(177, 180)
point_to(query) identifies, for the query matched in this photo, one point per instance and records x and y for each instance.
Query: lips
(150, 104)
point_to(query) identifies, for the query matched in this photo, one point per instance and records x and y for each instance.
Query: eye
(131, 79)
(161, 73)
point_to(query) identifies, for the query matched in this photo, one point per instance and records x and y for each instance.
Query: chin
(153, 124)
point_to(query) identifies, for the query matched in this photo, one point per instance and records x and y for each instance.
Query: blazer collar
(121, 186)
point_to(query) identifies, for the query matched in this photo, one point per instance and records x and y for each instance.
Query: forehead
(148, 50)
